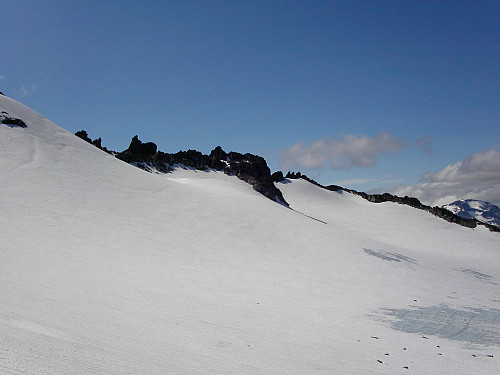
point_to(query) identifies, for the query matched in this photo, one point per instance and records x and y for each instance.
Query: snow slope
(107, 269)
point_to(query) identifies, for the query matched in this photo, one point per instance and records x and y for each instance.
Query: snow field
(107, 269)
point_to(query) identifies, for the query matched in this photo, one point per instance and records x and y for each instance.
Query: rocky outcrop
(247, 167)
(11, 121)
(250, 168)
(254, 170)
(164, 162)
(96, 142)
(296, 175)
(138, 152)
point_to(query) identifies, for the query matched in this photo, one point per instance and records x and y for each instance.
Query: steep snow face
(107, 269)
(476, 209)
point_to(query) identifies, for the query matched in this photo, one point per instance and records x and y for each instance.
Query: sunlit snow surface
(108, 269)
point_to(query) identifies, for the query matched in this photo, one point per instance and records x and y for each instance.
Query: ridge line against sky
(386, 96)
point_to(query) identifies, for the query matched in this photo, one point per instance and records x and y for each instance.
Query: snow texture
(108, 269)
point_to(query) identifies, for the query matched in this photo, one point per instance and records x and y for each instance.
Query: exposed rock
(217, 158)
(7, 120)
(452, 218)
(254, 170)
(83, 135)
(247, 167)
(96, 142)
(277, 176)
(138, 151)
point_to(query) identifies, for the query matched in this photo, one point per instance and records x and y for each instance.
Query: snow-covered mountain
(475, 209)
(108, 269)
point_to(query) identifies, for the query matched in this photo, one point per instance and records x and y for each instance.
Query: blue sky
(369, 94)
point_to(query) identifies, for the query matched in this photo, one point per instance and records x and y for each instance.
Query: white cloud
(349, 151)
(476, 177)
(2, 78)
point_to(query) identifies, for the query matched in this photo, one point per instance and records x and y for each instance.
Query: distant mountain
(476, 209)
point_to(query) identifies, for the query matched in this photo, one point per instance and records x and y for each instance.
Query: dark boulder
(217, 158)
(138, 151)
(83, 135)
(13, 121)
(277, 176)
(162, 162)
(334, 188)
(254, 170)
(143, 149)
(97, 142)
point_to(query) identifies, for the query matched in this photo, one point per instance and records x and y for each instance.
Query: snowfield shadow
(477, 275)
(390, 257)
(473, 325)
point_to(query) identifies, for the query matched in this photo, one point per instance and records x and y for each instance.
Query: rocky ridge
(254, 170)
(250, 168)
(408, 201)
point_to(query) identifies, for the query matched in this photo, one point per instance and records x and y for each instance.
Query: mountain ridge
(253, 169)
(441, 212)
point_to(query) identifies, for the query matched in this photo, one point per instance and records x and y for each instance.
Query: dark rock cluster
(247, 167)
(254, 170)
(8, 120)
(296, 175)
(138, 152)
(96, 142)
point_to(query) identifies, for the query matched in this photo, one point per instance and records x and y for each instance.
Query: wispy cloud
(27, 90)
(372, 181)
(344, 153)
(2, 77)
(476, 177)
(355, 181)
(425, 144)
